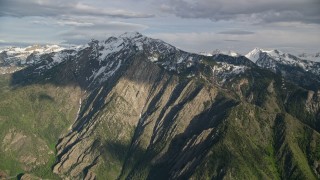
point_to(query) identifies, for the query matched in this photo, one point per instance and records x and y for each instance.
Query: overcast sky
(192, 25)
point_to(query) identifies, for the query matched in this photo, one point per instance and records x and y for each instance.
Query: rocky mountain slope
(132, 107)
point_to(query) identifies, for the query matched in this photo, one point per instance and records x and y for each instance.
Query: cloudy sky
(192, 25)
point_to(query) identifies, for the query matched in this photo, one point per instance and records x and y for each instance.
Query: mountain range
(133, 107)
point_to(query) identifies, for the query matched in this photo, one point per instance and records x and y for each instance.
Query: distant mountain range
(133, 107)
(311, 57)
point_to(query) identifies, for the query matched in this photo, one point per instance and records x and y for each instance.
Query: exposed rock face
(145, 97)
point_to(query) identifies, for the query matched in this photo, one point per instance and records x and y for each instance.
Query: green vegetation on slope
(32, 118)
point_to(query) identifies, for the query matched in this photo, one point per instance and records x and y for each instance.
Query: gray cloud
(232, 40)
(21, 8)
(236, 32)
(255, 11)
(102, 30)
(194, 25)
(16, 44)
(63, 22)
(306, 11)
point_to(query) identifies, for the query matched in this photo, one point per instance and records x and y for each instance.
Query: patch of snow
(224, 71)
(288, 59)
(140, 46)
(78, 112)
(189, 64)
(100, 71)
(180, 60)
(130, 35)
(172, 68)
(233, 54)
(153, 58)
(218, 51)
(57, 58)
(206, 54)
(111, 72)
(114, 46)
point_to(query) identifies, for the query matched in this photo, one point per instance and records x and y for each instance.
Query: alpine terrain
(133, 107)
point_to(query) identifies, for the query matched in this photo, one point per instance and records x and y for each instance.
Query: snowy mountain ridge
(18, 56)
(270, 59)
(114, 51)
(277, 55)
(308, 56)
(102, 59)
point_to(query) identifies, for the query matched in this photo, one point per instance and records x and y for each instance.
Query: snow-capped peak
(131, 35)
(124, 41)
(277, 55)
(218, 51)
(254, 54)
(271, 59)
